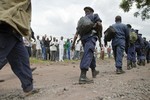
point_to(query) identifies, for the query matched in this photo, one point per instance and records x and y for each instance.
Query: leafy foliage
(143, 7)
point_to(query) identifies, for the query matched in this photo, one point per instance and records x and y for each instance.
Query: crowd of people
(53, 49)
(50, 48)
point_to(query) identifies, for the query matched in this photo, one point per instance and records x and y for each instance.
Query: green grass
(38, 61)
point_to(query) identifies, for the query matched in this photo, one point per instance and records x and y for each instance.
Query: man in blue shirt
(119, 42)
(88, 41)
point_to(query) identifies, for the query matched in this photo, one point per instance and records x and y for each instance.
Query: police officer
(147, 49)
(119, 43)
(131, 54)
(11, 43)
(139, 47)
(88, 41)
(143, 52)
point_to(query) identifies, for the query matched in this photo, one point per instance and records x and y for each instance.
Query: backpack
(133, 37)
(109, 34)
(85, 25)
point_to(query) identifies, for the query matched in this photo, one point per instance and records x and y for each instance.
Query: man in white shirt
(53, 49)
(38, 48)
(61, 49)
(77, 50)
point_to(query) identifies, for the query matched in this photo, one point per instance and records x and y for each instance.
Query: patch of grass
(38, 61)
(66, 60)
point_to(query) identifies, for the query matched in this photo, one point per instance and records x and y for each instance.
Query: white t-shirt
(38, 45)
(78, 47)
(53, 46)
(61, 44)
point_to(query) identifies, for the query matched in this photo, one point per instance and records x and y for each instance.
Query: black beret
(91, 9)
(140, 34)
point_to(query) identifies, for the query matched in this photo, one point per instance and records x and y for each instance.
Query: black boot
(83, 79)
(2, 80)
(139, 62)
(133, 64)
(143, 62)
(129, 64)
(94, 73)
(119, 71)
(32, 69)
(147, 61)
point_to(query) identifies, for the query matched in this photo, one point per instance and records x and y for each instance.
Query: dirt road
(59, 81)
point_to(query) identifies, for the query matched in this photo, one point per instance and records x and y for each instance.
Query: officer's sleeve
(77, 28)
(127, 38)
(77, 31)
(127, 33)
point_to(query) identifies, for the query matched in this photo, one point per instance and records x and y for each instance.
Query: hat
(136, 31)
(140, 34)
(91, 9)
(129, 26)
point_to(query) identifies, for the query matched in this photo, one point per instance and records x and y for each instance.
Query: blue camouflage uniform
(139, 45)
(89, 42)
(131, 54)
(147, 50)
(119, 42)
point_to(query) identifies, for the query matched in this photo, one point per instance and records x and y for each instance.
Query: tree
(143, 7)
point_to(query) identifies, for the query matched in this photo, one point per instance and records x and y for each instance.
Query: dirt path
(59, 81)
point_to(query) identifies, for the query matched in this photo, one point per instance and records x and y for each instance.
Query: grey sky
(60, 17)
